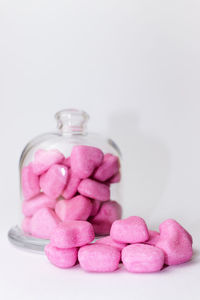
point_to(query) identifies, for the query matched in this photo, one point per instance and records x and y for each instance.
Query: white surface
(134, 66)
(30, 276)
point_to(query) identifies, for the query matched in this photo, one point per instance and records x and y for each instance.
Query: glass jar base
(18, 238)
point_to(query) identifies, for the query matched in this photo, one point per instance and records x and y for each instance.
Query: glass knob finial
(72, 121)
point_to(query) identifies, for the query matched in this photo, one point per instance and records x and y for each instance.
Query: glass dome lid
(49, 162)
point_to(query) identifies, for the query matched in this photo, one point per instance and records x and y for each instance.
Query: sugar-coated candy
(54, 180)
(94, 189)
(108, 168)
(72, 234)
(30, 182)
(175, 242)
(148, 252)
(110, 242)
(107, 183)
(107, 214)
(141, 258)
(29, 207)
(44, 159)
(84, 159)
(130, 230)
(188, 234)
(95, 207)
(72, 185)
(26, 224)
(99, 258)
(153, 237)
(67, 162)
(77, 208)
(115, 178)
(61, 258)
(43, 222)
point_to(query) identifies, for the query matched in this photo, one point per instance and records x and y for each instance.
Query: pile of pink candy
(58, 189)
(67, 200)
(140, 250)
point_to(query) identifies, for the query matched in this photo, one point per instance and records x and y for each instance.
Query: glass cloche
(69, 174)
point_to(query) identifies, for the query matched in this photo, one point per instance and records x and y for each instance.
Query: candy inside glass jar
(70, 174)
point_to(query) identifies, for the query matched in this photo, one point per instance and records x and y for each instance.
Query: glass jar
(45, 174)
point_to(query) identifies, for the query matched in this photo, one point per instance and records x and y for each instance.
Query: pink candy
(29, 207)
(61, 193)
(173, 246)
(99, 258)
(54, 180)
(107, 214)
(153, 237)
(108, 168)
(45, 159)
(77, 208)
(175, 242)
(110, 242)
(30, 182)
(72, 185)
(130, 230)
(84, 159)
(43, 222)
(95, 207)
(141, 258)
(83, 180)
(94, 189)
(67, 162)
(116, 178)
(72, 234)
(67, 186)
(61, 258)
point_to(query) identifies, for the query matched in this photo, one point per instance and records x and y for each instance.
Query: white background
(134, 66)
